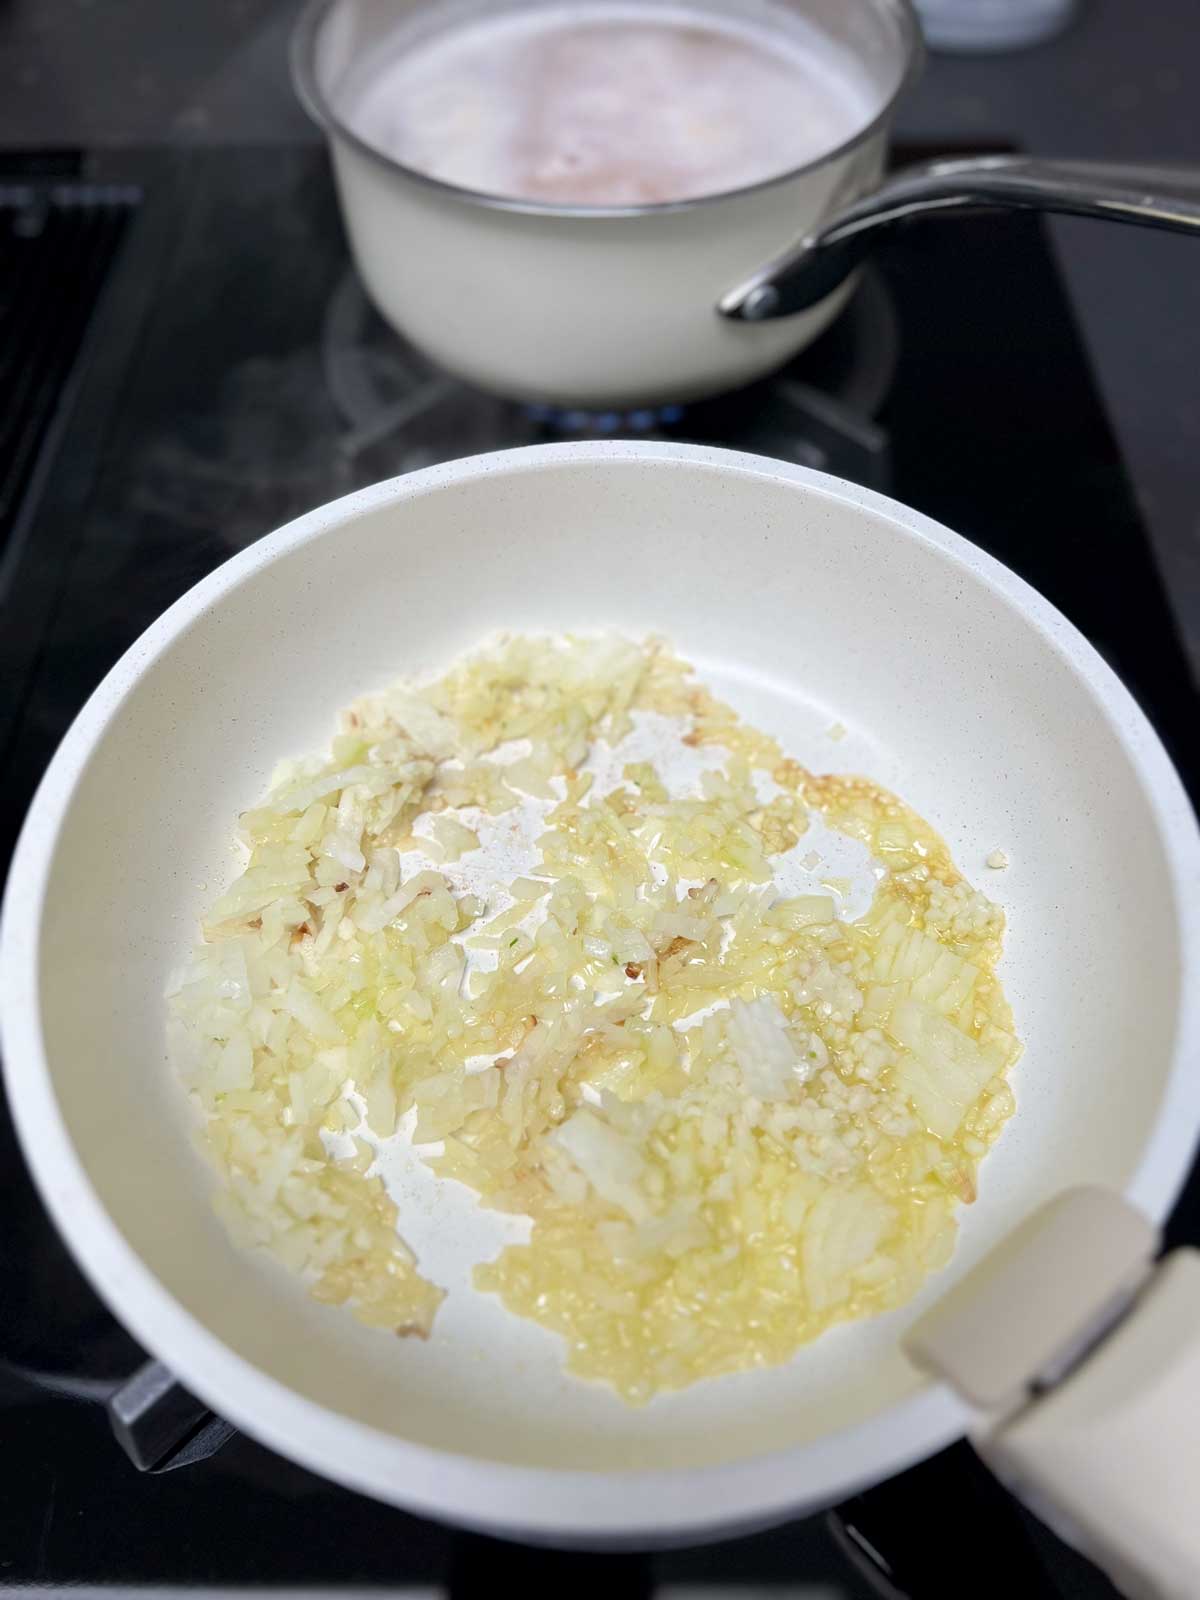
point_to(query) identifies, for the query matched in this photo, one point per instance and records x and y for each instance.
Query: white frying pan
(803, 600)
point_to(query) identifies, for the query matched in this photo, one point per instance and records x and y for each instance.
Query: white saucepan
(601, 306)
(804, 601)
(583, 305)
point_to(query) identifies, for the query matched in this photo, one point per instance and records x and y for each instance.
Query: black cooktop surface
(230, 375)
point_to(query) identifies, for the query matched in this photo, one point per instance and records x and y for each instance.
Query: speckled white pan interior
(803, 600)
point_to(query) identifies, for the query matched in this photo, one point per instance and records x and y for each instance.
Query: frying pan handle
(1111, 1459)
(1084, 1359)
(1152, 196)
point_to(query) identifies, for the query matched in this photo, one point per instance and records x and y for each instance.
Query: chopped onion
(732, 1117)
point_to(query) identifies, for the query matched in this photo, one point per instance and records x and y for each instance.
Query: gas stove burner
(593, 424)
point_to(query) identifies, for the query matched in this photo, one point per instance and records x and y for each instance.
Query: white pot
(804, 600)
(592, 306)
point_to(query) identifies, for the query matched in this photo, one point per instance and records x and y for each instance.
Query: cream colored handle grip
(1083, 1359)
(1111, 1457)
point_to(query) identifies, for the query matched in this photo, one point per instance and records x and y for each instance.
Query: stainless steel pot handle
(1152, 196)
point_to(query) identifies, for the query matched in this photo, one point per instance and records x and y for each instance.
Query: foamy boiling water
(609, 104)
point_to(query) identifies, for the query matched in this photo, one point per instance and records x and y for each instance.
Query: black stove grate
(57, 242)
